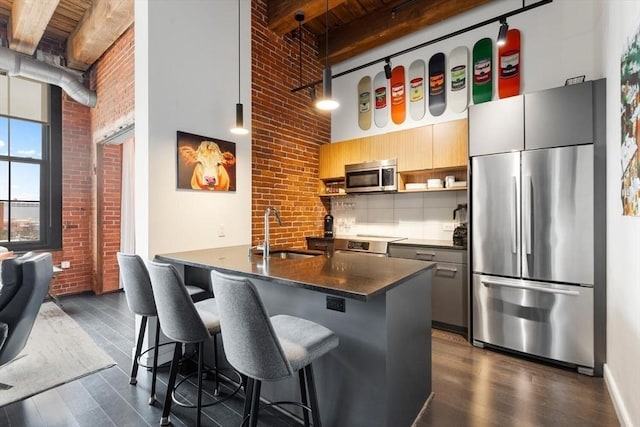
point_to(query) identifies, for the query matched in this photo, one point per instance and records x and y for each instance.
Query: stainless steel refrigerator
(533, 252)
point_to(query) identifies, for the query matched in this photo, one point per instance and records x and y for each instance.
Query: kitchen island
(380, 374)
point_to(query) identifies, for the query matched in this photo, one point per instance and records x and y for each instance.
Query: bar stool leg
(248, 393)
(152, 398)
(303, 396)
(200, 369)
(134, 366)
(173, 373)
(216, 389)
(255, 403)
(313, 396)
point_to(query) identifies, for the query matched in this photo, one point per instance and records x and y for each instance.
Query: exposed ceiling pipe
(17, 64)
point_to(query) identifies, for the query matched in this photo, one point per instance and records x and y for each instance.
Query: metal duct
(17, 64)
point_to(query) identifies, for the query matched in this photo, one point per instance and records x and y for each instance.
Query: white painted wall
(559, 40)
(622, 20)
(187, 79)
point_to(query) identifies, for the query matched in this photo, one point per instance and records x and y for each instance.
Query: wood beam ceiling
(28, 21)
(99, 28)
(281, 13)
(382, 26)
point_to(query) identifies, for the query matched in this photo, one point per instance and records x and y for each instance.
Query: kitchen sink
(292, 254)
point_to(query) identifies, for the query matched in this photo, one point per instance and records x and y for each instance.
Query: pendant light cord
(326, 36)
(239, 51)
(300, 47)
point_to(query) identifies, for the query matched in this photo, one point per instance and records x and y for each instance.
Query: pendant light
(239, 129)
(326, 102)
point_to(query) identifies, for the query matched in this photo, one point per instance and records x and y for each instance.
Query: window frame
(50, 182)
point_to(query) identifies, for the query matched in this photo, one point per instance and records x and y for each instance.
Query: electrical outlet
(221, 230)
(335, 303)
(447, 226)
(65, 264)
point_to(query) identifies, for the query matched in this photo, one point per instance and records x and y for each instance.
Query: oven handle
(449, 269)
(489, 283)
(423, 253)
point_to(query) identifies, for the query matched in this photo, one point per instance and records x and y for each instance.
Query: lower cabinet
(449, 285)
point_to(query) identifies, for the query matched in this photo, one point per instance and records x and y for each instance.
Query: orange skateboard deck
(398, 95)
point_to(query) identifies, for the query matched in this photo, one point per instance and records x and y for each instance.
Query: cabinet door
(559, 117)
(414, 149)
(450, 144)
(331, 161)
(497, 126)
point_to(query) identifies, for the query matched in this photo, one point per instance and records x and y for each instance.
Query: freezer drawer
(551, 321)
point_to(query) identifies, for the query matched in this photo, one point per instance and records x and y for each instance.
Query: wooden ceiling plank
(281, 13)
(377, 28)
(27, 23)
(102, 24)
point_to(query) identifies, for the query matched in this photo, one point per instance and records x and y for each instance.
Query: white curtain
(127, 204)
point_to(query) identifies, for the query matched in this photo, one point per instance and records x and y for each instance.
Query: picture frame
(205, 163)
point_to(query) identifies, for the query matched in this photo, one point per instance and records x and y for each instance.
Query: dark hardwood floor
(473, 387)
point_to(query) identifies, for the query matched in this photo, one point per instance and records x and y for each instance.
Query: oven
(368, 245)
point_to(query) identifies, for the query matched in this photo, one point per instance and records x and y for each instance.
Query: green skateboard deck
(482, 71)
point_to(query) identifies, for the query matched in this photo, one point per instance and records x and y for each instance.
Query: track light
(312, 94)
(502, 34)
(387, 68)
(239, 128)
(326, 102)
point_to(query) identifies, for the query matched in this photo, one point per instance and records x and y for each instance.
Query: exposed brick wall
(77, 176)
(287, 132)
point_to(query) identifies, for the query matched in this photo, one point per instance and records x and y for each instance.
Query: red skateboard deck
(509, 59)
(398, 95)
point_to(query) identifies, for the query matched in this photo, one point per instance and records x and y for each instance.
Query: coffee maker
(460, 232)
(328, 225)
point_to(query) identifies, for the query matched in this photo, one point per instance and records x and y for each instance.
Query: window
(31, 179)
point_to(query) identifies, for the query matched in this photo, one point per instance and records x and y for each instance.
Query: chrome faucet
(265, 245)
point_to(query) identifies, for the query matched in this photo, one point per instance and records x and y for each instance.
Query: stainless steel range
(372, 245)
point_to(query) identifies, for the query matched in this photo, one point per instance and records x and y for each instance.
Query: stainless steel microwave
(368, 177)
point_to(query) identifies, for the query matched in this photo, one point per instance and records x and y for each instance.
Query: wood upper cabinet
(334, 156)
(413, 148)
(450, 144)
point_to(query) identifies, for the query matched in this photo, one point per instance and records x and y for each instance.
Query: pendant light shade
(327, 102)
(239, 128)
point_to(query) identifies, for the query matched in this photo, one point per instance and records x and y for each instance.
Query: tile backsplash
(419, 215)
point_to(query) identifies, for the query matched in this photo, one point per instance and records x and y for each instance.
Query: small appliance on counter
(328, 225)
(460, 232)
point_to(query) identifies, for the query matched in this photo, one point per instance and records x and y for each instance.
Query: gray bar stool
(268, 349)
(137, 289)
(184, 322)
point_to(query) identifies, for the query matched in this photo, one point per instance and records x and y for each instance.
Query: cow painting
(205, 166)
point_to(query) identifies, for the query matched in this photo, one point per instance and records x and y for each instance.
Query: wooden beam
(281, 13)
(29, 19)
(383, 26)
(99, 28)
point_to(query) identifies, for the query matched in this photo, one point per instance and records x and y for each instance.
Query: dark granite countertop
(350, 275)
(431, 243)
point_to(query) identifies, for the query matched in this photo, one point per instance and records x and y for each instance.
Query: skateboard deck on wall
(437, 84)
(458, 87)
(398, 95)
(380, 90)
(483, 71)
(364, 103)
(416, 90)
(509, 65)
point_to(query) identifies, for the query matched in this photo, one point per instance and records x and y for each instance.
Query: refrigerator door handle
(514, 213)
(488, 283)
(527, 197)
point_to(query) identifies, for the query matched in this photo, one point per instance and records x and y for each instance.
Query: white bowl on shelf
(434, 183)
(415, 186)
